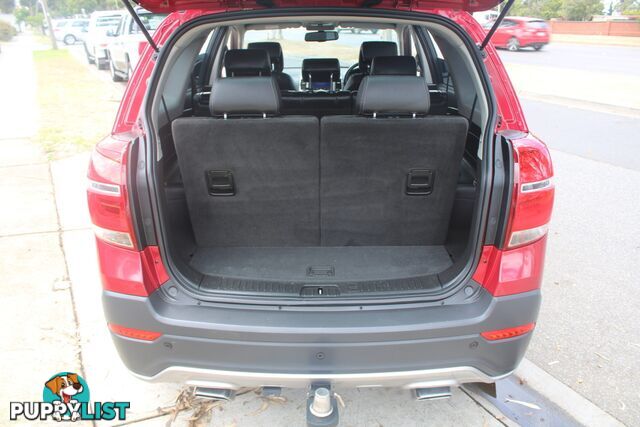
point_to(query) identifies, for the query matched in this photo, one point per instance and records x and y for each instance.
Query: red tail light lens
(503, 334)
(107, 193)
(123, 267)
(518, 266)
(533, 192)
(136, 334)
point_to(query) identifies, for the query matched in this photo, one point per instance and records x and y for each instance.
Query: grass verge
(76, 105)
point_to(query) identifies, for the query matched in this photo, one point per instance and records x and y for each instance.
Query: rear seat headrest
(393, 95)
(321, 69)
(274, 49)
(247, 62)
(393, 66)
(245, 96)
(369, 50)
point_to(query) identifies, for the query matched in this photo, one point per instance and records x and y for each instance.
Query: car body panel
(96, 39)
(318, 343)
(230, 5)
(74, 28)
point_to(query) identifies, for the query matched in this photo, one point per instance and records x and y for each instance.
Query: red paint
(129, 271)
(136, 334)
(513, 271)
(503, 334)
(234, 5)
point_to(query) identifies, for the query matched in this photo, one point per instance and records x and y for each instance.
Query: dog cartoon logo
(68, 388)
(65, 397)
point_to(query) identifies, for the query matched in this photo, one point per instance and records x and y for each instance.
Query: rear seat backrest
(249, 180)
(388, 176)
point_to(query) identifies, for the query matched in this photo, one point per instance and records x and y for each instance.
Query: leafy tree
(581, 10)
(578, 10)
(21, 14)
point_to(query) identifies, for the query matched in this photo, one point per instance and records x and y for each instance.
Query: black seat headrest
(245, 96)
(393, 96)
(321, 69)
(247, 62)
(274, 49)
(369, 50)
(393, 66)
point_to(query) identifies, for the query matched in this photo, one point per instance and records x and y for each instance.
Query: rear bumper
(405, 346)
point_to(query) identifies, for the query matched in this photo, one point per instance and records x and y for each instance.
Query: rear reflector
(519, 238)
(136, 334)
(116, 237)
(503, 334)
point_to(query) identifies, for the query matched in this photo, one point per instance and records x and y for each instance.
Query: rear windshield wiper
(496, 24)
(140, 25)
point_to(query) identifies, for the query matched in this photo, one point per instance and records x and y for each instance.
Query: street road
(587, 335)
(610, 59)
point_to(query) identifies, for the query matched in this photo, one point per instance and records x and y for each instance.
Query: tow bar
(322, 409)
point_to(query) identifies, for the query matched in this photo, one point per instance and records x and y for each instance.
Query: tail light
(517, 267)
(107, 193)
(125, 267)
(533, 193)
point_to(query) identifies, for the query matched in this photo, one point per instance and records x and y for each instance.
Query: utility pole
(45, 10)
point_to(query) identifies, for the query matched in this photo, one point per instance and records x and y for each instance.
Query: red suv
(515, 32)
(281, 204)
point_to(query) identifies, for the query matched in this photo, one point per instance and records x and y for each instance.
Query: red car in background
(515, 33)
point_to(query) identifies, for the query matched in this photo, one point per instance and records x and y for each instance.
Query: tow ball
(322, 410)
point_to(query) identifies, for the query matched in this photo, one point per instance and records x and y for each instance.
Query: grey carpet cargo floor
(309, 264)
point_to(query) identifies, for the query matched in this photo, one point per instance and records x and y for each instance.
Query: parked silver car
(70, 31)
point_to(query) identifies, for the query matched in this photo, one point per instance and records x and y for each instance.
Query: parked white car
(70, 31)
(96, 39)
(127, 42)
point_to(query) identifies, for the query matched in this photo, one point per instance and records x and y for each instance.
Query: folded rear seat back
(251, 178)
(388, 175)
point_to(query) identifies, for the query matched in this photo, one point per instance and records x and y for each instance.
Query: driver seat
(368, 51)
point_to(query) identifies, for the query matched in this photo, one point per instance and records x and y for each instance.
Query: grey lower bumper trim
(405, 379)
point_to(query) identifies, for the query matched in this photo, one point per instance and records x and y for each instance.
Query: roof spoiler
(496, 24)
(140, 25)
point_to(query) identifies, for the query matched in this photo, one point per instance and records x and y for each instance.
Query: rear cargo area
(342, 193)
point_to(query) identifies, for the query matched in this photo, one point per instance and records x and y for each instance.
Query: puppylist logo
(65, 397)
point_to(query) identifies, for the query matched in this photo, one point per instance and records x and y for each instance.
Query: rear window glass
(295, 49)
(537, 24)
(108, 21)
(151, 21)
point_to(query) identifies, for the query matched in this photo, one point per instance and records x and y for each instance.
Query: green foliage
(21, 14)
(581, 10)
(628, 7)
(7, 31)
(35, 21)
(72, 7)
(573, 10)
